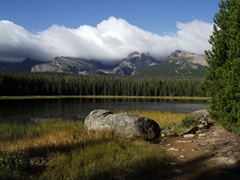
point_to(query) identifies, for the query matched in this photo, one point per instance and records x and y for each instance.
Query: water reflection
(79, 108)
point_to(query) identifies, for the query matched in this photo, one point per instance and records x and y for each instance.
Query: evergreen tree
(223, 77)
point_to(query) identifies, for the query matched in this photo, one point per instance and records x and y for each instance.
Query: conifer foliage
(19, 84)
(223, 71)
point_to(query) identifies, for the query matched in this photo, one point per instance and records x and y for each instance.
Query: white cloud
(109, 41)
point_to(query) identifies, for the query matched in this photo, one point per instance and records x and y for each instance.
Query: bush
(12, 164)
(190, 121)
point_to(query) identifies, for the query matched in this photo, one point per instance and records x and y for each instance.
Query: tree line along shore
(32, 84)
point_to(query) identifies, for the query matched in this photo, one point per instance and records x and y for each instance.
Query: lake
(33, 110)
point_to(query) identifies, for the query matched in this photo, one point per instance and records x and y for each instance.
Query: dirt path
(212, 154)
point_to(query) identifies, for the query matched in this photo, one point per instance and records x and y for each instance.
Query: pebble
(188, 135)
(178, 141)
(169, 144)
(202, 135)
(173, 149)
(182, 156)
(178, 171)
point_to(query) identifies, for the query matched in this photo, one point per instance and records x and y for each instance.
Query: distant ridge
(71, 65)
(81, 66)
(179, 63)
(24, 66)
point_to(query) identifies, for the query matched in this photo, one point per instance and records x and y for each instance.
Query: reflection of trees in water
(78, 108)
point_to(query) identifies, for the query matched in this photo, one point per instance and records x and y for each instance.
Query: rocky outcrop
(191, 57)
(122, 123)
(134, 61)
(70, 64)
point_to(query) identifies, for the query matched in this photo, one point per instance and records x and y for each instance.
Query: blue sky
(161, 17)
(156, 16)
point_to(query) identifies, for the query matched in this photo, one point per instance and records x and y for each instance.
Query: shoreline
(104, 97)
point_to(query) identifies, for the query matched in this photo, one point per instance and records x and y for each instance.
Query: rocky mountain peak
(132, 62)
(134, 54)
(180, 53)
(189, 56)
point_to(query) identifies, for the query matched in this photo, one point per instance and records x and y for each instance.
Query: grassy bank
(64, 150)
(114, 97)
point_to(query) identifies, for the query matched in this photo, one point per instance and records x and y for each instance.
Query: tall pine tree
(223, 76)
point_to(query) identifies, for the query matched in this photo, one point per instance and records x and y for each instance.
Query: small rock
(173, 149)
(227, 161)
(202, 135)
(182, 156)
(38, 161)
(178, 141)
(194, 149)
(178, 171)
(188, 135)
(169, 144)
(229, 153)
(237, 154)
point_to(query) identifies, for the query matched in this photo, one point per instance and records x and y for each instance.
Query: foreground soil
(211, 154)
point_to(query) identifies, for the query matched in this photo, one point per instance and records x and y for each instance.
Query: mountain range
(24, 66)
(179, 63)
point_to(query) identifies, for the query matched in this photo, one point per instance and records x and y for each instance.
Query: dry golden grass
(62, 133)
(162, 118)
(75, 154)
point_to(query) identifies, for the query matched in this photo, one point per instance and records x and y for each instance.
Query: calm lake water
(79, 108)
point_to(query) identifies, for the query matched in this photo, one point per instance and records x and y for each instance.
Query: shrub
(12, 164)
(190, 121)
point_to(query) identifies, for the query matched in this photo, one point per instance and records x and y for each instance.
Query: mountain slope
(178, 64)
(132, 62)
(73, 65)
(24, 66)
(82, 66)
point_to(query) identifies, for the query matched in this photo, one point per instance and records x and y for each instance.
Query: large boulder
(122, 123)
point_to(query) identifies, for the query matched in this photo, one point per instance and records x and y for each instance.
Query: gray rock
(122, 123)
(173, 149)
(202, 113)
(188, 135)
(178, 171)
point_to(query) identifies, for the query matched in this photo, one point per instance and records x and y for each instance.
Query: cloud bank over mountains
(110, 41)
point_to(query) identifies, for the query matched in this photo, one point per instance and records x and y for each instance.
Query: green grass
(72, 153)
